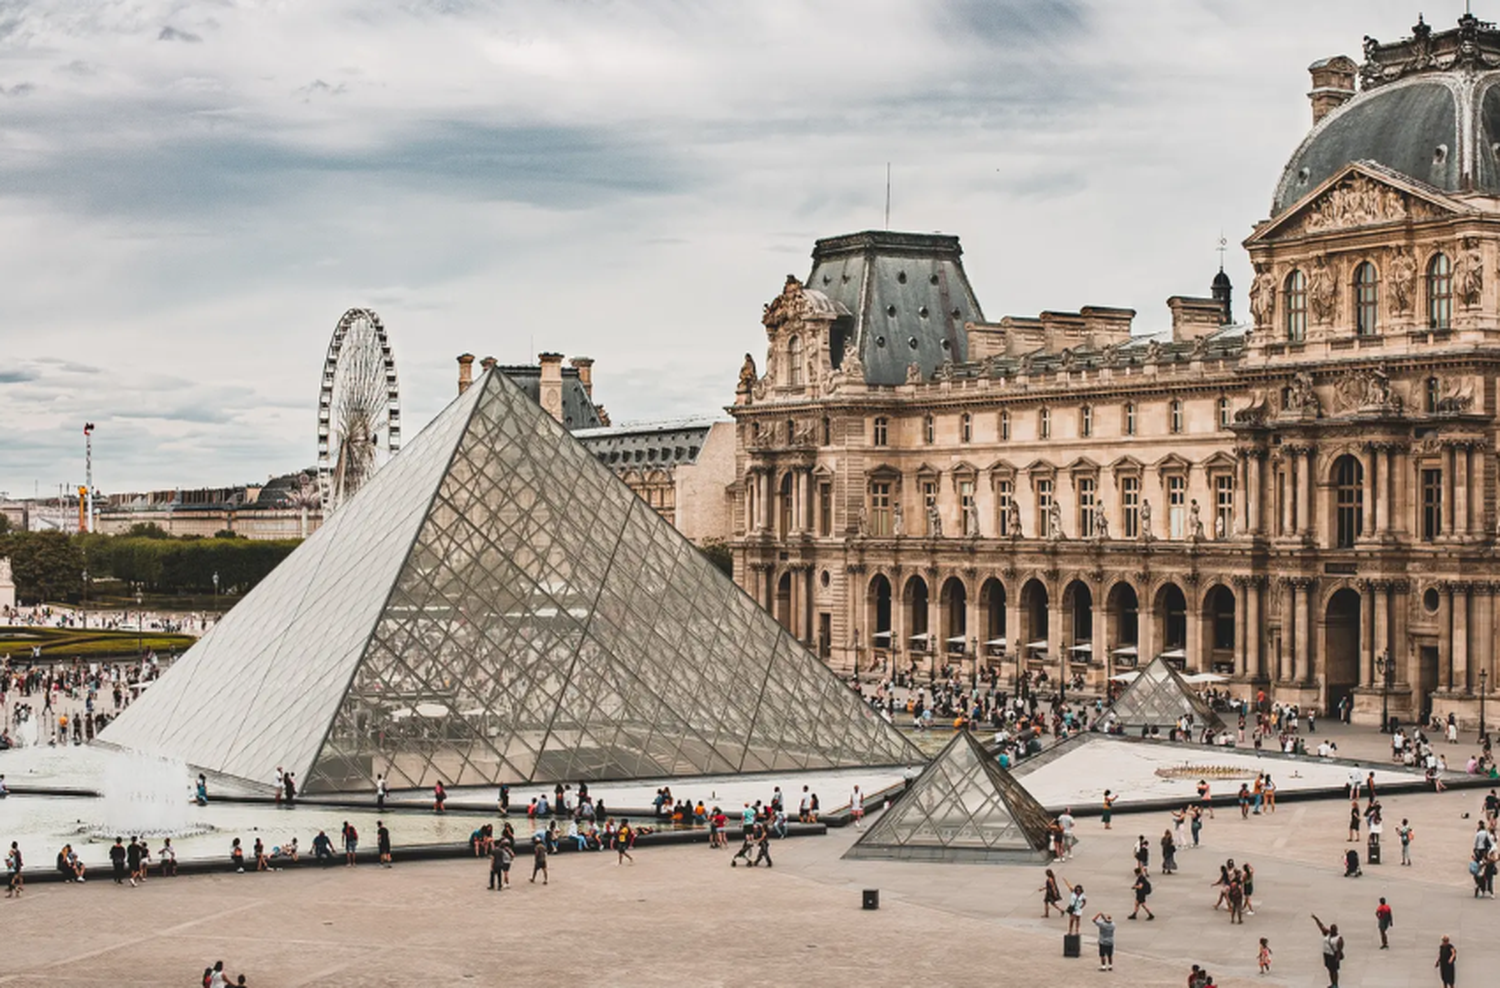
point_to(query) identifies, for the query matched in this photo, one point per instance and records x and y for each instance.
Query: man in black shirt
(117, 860)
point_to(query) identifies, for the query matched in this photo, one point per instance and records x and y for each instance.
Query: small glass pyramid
(496, 606)
(963, 807)
(1158, 697)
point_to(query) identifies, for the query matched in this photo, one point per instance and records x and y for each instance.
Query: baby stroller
(1351, 864)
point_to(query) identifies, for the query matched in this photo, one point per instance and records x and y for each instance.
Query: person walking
(380, 793)
(538, 859)
(762, 846)
(1168, 852)
(1353, 822)
(383, 842)
(1383, 922)
(1333, 950)
(1249, 885)
(16, 883)
(1106, 927)
(623, 837)
(1447, 961)
(1263, 956)
(1142, 889)
(1236, 895)
(439, 797)
(1196, 824)
(499, 865)
(1051, 895)
(1404, 833)
(857, 808)
(133, 861)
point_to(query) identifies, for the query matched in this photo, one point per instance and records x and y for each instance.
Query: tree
(147, 530)
(4, 524)
(719, 553)
(48, 566)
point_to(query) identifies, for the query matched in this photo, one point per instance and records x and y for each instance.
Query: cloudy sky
(191, 193)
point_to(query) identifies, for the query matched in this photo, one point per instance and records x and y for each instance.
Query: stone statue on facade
(898, 520)
(862, 522)
(913, 373)
(971, 520)
(1101, 522)
(1470, 280)
(747, 374)
(1402, 275)
(1013, 518)
(7, 586)
(1255, 412)
(852, 365)
(1145, 534)
(1301, 398)
(1195, 521)
(1219, 532)
(1054, 522)
(1322, 293)
(934, 522)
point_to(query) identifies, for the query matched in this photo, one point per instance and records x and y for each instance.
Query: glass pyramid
(496, 606)
(1158, 696)
(963, 807)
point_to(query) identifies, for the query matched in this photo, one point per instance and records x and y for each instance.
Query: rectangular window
(929, 430)
(1085, 507)
(1223, 505)
(966, 505)
(1005, 426)
(880, 509)
(966, 427)
(1043, 507)
(1086, 421)
(1176, 507)
(881, 432)
(929, 501)
(825, 510)
(1044, 423)
(1130, 419)
(1130, 505)
(1003, 494)
(1432, 504)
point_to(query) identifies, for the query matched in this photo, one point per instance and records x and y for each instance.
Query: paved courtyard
(681, 914)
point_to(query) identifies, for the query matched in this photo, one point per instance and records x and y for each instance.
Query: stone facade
(1306, 502)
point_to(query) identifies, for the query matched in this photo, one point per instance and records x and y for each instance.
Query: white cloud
(627, 180)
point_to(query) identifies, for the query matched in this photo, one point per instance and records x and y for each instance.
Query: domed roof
(1428, 107)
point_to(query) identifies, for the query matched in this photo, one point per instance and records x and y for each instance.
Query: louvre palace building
(1304, 501)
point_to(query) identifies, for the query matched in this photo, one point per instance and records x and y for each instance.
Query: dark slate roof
(647, 444)
(907, 297)
(1429, 108)
(578, 408)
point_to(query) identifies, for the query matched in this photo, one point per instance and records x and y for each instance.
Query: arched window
(1366, 300)
(1005, 425)
(1348, 485)
(966, 426)
(827, 434)
(1224, 417)
(1086, 421)
(794, 362)
(880, 433)
(1431, 393)
(1439, 292)
(1176, 415)
(1296, 307)
(1129, 417)
(1044, 423)
(929, 430)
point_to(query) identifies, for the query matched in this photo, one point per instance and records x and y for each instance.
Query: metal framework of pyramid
(496, 606)
(964, 807)
(1158, 696)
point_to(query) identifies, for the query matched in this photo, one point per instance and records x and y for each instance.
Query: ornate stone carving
(786, 307)
(1401, 276)
(1366, 390)
(1263, 295)
(898, 520)
(1301, 398)
(944, 371)
(1469, 273)
(1145, 520)
(913, 373)
(1013, 518)
(1322, 289)
(1356, 202)
(1101, 522)
(747, 374)
(1255, 412)
(934, 522)
(1475, 45)
(971, 520)
(1195, 522)
(1055, 522)
(1456, 397)
(852, 366)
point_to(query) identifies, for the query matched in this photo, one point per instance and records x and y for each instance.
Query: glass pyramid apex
(963, 807)
(496, 606)
(1159, 697)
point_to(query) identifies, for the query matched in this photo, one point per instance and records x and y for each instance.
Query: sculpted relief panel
(1357, 202)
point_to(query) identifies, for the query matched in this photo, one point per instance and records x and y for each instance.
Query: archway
(954, 602)
(1341, 647)
(784, 601)
(915, 602)
(879, 601)
(1218, 624)
(1171, 616)
(1078, 617)
(992, 599)
(1122, 627)
(1034, 620)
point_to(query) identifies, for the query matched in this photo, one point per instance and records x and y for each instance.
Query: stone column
(1288, 658)
(1145, 623)
(1461, 492)
(1288, 489)
(1449, 495)
(1305, 527)
(936, 636)
(1099, 624)
(1367, 595)
(767, 502)
(1013, 651)
(1445, 637)
(1255, 635)
(1302, 667)
(1369, 461)
(1241, 627)
(899, 634)
(1257, 492)
(1400, 604)
(1382, 643)
(1385, 492)
(1482, 641)
(971, 621)
(1193, 646)
(1461, 637)
(1055, 630)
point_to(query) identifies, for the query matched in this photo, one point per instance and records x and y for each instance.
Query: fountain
(146, 796)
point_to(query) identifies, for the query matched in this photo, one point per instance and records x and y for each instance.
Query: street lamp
(1387, 670)
(85, 599)
(216, 591)
(1484, 678)
(140, 624)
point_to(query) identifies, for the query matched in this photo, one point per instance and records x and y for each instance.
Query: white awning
(921, 638)
(882, 634)
(996, 642)
(1083, 647)
(1205, 677)
(1126, 650)
(957, 640)
(1041, 644)
(1125, 677)
(1174, 653)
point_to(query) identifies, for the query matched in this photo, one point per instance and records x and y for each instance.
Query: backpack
(1145, 885)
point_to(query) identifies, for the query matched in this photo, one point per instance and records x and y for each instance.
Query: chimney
(549, 394)
(1332, 84)
(465, 371)
(1194, 317)
(585, 368)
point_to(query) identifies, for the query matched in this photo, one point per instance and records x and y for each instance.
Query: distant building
(285, 507)
(683, 467)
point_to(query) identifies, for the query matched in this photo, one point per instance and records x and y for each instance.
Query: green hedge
(69, 643)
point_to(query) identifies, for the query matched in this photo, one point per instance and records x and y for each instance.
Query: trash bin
(872, 898)
(1372, 850)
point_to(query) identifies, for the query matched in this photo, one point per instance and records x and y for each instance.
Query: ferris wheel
(359, 408)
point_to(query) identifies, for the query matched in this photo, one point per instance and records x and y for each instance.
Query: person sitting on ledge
(323, 849)
(237, 856)
(68, 864)
(286, 852)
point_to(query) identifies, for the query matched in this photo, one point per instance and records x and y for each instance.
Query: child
(1265, 956)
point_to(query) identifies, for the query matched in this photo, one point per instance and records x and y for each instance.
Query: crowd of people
(61, 704)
